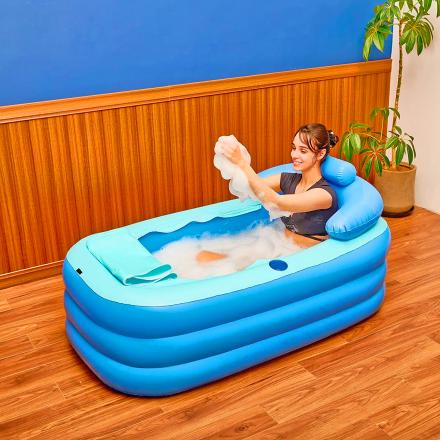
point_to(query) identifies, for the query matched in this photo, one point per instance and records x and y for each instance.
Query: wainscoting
(73, 167)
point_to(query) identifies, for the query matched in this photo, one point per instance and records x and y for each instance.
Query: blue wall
(53, 49)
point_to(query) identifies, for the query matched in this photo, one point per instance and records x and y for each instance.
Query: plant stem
(396, 101)
(381, 129)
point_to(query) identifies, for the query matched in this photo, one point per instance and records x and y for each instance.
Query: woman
(307, 195)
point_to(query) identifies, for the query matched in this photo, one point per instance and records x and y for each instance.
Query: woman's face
(302, 157)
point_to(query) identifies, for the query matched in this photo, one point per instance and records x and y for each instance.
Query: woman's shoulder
(290, 177)
(288, 182)
(322, 183)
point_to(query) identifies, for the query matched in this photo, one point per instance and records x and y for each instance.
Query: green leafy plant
(415, 31)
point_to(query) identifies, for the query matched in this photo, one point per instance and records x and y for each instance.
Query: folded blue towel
(126, 258)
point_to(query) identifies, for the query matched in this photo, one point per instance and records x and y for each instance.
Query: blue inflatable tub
(176, 334)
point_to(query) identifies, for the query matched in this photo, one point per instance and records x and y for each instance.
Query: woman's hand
(231, 149)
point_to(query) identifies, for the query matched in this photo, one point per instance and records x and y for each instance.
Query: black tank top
(312, 222)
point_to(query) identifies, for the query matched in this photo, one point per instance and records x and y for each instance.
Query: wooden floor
(377, 380)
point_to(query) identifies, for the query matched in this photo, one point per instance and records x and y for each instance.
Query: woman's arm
(258, 185)
(316, 198)
(313, 199)
(230, 147)
(273, 181)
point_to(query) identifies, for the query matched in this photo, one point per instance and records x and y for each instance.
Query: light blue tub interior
(154, 241)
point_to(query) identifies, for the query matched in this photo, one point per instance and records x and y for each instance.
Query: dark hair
(317, 137)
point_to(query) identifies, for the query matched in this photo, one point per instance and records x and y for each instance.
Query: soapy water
(264, 241)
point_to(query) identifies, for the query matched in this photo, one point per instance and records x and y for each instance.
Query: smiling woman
(307, 195)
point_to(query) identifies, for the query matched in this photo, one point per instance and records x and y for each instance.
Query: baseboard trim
(30, 274)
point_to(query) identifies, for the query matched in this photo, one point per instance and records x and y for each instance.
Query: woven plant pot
(397, 188)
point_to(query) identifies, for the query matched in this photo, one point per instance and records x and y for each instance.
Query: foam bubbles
(238, 183)
(242, 249)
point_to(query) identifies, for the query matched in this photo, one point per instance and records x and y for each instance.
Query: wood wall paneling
(73, 167)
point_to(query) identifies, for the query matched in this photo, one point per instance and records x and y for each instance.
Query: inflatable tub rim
(363, 222)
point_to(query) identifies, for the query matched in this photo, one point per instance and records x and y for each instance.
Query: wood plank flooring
(377, 380)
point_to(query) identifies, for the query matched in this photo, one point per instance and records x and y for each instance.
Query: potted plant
(393, 178)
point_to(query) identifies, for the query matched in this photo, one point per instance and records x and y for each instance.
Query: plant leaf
(356, 142)
(391, 141)
(367, 47)
(374, 112)
(396, 11)
(410, 43)
(358, 125)
(419, 45)
(409, 152)
(386, 160)
(368, 166)
(363, 161)
(395, 111)
(400, 152)
(428, 28)
(427, 5)
(378, 41)
(373, 142)
(378, 166)
(347, 148)
(343, 140)
(385, 29)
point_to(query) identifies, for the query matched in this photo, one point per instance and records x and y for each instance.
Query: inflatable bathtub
(163, 337)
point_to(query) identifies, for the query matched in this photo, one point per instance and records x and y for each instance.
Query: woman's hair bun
(333, 138)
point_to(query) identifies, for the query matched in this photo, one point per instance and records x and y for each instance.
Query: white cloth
(238, 182)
